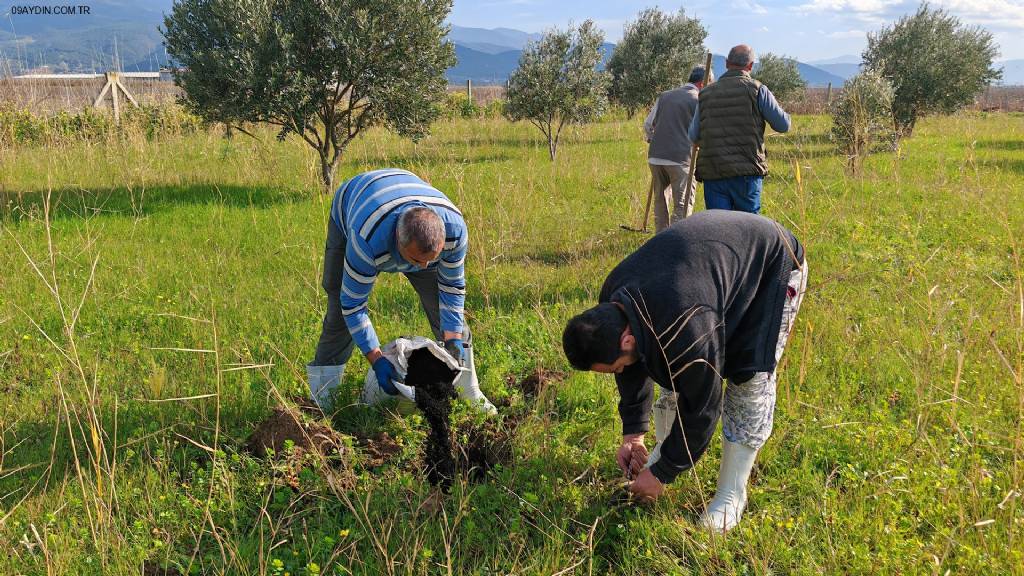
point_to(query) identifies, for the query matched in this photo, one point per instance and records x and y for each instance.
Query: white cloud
(750, 6)
(990, 13)
(1003, 14)
(858, 6)
(844, 34)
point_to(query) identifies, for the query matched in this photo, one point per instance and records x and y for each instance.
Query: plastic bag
(398, 352)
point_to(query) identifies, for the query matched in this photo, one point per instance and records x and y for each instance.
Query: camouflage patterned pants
(749, 408)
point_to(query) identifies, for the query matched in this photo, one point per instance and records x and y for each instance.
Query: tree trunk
(552, 146)
(327, 167)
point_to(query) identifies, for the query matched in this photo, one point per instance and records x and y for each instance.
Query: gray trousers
(335, 345)
(669, 187)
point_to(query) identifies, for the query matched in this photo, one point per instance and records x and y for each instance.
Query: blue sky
(806, 29)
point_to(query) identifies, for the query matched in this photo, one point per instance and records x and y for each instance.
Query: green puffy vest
(731, 129)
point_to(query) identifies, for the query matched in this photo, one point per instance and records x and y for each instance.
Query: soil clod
(306, 405)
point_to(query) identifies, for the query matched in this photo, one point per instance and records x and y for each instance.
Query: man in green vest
(729, 128)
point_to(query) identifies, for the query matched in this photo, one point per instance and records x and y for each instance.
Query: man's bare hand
(646, 487)
(632, 455)
(638, 460)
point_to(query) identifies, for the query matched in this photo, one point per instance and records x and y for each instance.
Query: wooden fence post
(114, 85)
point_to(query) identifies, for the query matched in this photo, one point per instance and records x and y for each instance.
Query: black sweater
(704, 300)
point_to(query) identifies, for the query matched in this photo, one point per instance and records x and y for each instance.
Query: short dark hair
(696, 75)
(593, 336)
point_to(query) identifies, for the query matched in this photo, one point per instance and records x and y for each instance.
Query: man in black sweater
(711, 297)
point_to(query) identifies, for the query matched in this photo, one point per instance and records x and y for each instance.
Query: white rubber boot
(323, 380)
(469, 386)
(726, 509)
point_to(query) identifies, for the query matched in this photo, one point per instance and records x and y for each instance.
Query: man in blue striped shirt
(392, 221)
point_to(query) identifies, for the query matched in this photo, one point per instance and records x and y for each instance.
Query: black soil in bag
(435, 390)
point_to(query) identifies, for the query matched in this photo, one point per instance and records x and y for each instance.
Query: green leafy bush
(459, 105)
(862, 120)
(781, 75)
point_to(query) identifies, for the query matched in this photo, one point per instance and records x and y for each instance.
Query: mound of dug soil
(283, 425)
(435, 390)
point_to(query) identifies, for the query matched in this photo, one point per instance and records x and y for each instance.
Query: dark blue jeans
(742, 193)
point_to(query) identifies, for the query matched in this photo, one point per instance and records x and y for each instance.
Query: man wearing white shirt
(668, 155)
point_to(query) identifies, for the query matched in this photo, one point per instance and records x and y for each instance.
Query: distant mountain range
(129, 29)
(848, 65)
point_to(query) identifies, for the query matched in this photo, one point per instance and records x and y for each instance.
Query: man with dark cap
(729, 128)
(711, 297)
(669, 152)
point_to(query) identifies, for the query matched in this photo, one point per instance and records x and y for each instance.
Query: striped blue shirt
(366, 209)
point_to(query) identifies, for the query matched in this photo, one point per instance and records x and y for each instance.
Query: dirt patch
(378, 449)
(482, 446)
(284, 425)
(306, 405)
(433, 381)
(535, 382)
(151, 568)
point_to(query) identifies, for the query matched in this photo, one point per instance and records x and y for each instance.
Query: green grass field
(159, 298)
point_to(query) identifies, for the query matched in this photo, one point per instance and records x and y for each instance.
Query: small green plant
(862, 118)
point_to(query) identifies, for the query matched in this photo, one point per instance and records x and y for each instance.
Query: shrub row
(458, 105)
(20, 126)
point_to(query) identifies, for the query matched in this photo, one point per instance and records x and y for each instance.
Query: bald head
(741, 57)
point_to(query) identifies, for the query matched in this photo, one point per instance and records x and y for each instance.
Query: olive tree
(936, 64)
(656, 53)
(558, 82)
(324, 70)
(862, 118)
(781, 75)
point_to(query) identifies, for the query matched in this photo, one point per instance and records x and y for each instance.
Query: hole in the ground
(535, 382)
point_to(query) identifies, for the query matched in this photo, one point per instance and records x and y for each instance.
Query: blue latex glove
(387, 374)
(456, 349)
